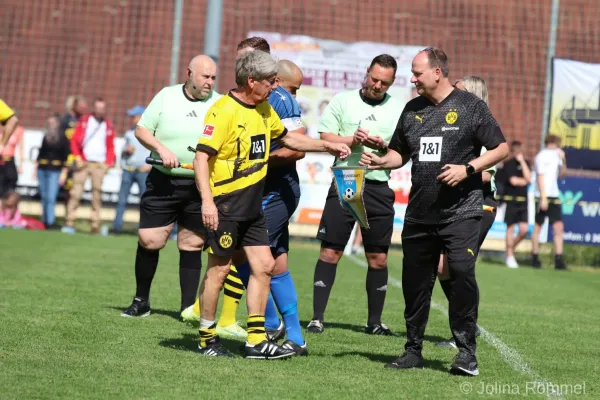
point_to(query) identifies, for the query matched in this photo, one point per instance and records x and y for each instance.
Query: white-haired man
(231, 166)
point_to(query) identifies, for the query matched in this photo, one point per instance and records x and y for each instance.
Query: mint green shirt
(177, 122)
(347, 111)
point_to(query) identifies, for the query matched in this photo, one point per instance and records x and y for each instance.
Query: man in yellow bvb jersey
(231, 166)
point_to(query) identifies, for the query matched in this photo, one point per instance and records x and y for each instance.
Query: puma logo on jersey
(471, 252)
(418, 118)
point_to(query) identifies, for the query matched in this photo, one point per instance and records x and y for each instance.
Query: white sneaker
(511, 262)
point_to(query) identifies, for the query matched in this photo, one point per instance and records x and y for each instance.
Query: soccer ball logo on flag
(350, 183)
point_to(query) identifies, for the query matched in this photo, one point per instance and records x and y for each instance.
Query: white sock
(205, 323)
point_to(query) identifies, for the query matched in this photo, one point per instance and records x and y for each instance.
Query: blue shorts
(278, 210)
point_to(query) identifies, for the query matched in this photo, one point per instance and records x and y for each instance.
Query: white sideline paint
(510, 356)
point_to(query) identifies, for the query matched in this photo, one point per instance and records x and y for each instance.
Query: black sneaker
(559, 263)
(139, 308)
(378, 329)
(406, 361)
(464, 364)
(448, 344)
(266, 350)
(276, 334)
(214, 348)
(535, 261)
(299, 350)
(315, 326)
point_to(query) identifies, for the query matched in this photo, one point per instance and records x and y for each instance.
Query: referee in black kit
(442, 131)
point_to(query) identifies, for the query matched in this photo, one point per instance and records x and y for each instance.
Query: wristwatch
(470, 169)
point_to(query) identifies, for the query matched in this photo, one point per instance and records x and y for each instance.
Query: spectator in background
(517, 175)
(11, 135)
(93, 149)
(51, 168)
(133, 163)
(10, 217)
(76, 107)
(550, 165)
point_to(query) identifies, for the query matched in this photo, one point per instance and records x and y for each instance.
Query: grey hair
(256, 64)
(475, 85)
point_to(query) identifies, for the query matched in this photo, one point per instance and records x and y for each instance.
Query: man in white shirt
(550, 165)
(93, 149)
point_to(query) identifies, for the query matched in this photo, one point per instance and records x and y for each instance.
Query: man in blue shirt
(133, 164)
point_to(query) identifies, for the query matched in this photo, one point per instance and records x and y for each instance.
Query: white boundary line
(510, 356)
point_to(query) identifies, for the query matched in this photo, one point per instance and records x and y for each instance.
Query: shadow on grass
(169, 313)
(437, 365)
(189, 342)
(361, 329)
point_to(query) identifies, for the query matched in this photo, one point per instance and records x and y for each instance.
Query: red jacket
(79, 135)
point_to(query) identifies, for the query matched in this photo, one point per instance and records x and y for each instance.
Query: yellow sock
(256, 329)
(197, 306)
(232, 293)
(206, 334)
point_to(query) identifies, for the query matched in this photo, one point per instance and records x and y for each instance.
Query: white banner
(329, 67)
(27, 185)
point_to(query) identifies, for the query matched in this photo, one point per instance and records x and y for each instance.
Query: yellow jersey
(238, 137)
(5, 112)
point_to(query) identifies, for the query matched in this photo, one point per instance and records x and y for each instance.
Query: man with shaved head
(280, 200)
(170, 124)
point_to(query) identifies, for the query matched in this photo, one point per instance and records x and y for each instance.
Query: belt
(132, 169)
(375, 182)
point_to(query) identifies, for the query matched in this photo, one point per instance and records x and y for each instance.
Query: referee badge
(225, 240)
(451, 117)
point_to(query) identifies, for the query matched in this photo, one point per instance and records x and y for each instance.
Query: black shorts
(233, 235)
(337, 222)
(488, 218)
(170, 199)
(459, 240)
(554, 211)
(516, 212)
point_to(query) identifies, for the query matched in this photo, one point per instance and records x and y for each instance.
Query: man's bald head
(202, 60)
(202, 73)
(290, 76)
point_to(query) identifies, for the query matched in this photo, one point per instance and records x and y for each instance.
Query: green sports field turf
(61, 335)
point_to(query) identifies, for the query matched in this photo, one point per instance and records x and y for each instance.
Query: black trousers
(422, 245)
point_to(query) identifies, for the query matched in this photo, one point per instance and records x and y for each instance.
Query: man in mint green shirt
(173, 120)
(365, 120)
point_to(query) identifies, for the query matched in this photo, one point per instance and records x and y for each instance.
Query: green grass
(61, 335)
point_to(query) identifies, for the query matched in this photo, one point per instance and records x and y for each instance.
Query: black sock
(146, 262)
(445, 284)
(376, 291)
(190, 264)
(323, 282)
